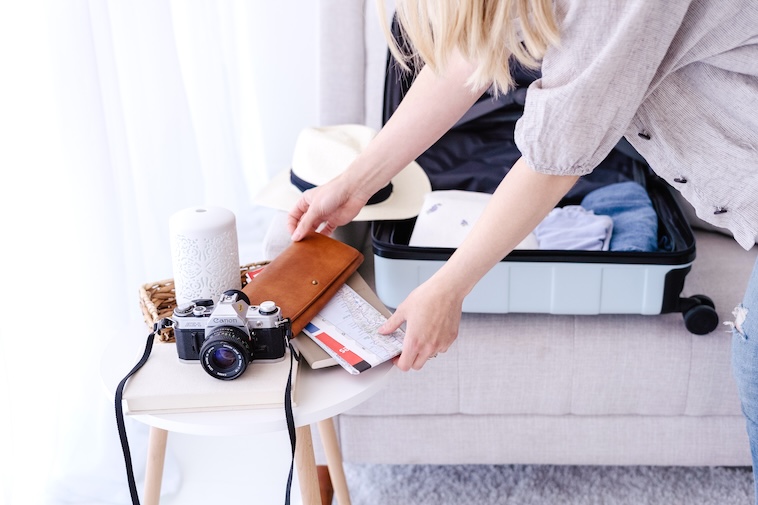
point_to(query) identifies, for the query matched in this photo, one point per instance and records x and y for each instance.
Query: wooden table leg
(305, 462)
(156, 455)
(334, 460)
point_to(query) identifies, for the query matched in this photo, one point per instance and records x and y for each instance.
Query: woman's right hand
(333, 204)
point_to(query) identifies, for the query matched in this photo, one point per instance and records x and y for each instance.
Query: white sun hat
(323, 153)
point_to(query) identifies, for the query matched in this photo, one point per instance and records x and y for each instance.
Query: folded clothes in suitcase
(474, 156)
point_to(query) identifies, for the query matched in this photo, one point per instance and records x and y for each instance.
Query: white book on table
(165, 384)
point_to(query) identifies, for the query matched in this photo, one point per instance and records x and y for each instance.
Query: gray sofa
(542, 389)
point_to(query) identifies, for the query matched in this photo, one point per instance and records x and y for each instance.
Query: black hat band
(377, 197)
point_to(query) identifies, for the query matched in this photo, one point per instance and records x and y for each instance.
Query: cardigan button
(645, 135)
(720, 210)
(681, 179)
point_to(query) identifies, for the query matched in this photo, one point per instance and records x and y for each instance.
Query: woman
(678, 80)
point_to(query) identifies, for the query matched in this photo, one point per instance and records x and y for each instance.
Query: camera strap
(294, 355)
(157, 327)
(163, 323)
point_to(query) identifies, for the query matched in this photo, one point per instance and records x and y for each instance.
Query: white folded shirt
(447, 216)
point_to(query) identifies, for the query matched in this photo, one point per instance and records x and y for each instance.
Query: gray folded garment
(574, 228)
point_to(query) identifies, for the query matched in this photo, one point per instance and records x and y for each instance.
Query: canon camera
(226, 337)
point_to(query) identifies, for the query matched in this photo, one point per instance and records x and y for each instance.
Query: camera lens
(223, 358)
(225, 353)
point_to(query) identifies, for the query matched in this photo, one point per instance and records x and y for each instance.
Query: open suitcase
(475, 155)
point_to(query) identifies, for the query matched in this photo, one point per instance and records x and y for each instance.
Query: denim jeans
(635, 223)
(745, 363)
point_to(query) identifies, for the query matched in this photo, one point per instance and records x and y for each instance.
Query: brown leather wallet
(304, 277)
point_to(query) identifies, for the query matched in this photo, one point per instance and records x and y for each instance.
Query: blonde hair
(487, 33)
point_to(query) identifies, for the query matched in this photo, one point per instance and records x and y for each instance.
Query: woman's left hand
(432, 315)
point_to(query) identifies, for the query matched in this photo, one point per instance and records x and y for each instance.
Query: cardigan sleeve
(611, 56)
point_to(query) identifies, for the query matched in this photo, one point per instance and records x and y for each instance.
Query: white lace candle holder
(204, 253)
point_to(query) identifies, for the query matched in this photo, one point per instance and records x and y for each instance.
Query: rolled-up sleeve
(612, 55)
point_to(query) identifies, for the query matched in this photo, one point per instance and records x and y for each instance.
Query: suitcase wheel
(700, 317)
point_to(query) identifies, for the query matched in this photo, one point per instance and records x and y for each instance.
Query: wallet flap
(303, 278)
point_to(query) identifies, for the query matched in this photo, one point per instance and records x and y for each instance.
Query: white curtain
(113, 116)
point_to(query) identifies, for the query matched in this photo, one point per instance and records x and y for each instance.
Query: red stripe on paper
(343, 351)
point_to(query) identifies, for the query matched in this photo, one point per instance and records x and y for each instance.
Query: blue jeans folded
(635, 223)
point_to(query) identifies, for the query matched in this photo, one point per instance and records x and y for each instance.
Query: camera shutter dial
(199, 311)
(266, 308)
(184, 309)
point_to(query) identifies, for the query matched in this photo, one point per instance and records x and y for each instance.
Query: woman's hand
(432, 315)
(331, 205)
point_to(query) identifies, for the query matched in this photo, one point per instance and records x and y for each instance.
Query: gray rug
(540, 485)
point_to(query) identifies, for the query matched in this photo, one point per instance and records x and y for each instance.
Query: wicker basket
(158, 299)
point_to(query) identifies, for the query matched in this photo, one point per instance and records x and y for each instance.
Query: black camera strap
(294, 355)
(163, 323)
(157, 327)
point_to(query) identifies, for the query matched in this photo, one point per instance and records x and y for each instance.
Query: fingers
(416, 352)
(426, 333)
(410, 357)
(327, 228)
(414, 359)
(313, 213)
(324, 208)
(295, 216)
(392, 323)
(303, 219)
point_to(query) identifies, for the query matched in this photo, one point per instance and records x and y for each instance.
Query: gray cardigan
(678, 79)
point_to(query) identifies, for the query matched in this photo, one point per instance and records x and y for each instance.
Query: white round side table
(320, 395)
